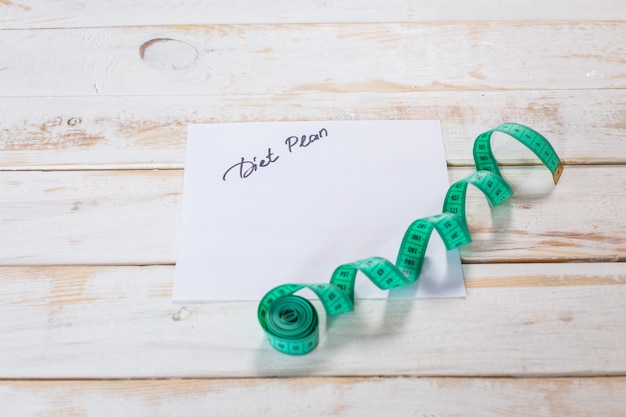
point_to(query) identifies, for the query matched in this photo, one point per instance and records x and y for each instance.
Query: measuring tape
(290, 322)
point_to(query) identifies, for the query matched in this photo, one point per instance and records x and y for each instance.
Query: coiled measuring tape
(290, 322)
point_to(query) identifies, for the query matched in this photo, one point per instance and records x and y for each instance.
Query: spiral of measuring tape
(290, 322)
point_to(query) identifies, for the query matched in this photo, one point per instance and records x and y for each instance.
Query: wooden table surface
(95, 100)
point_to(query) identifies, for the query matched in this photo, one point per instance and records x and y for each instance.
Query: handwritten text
(246, 167)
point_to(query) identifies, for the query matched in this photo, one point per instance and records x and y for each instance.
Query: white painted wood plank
(579, 219)
(150, 132)
(105, 322)
(95, 217)
(270, 59)
(65, 13)
(132, 217)
(320, 397)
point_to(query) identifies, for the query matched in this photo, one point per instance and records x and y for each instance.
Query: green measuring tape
(290, 322)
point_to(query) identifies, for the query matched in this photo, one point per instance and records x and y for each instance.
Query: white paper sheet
(285, 202)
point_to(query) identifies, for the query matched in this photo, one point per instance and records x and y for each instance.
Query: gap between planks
(341, 378)
(113, 168)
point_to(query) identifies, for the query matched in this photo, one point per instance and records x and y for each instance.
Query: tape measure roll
(290, 322)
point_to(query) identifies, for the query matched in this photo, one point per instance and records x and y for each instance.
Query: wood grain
(132, 217)
(67, 14)
(119, 322)
(347, 58)
(90, 217)
(320, 396)
(150, 132)
(95, 99)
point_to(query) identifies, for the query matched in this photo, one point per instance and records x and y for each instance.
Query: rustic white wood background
(95, 98)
